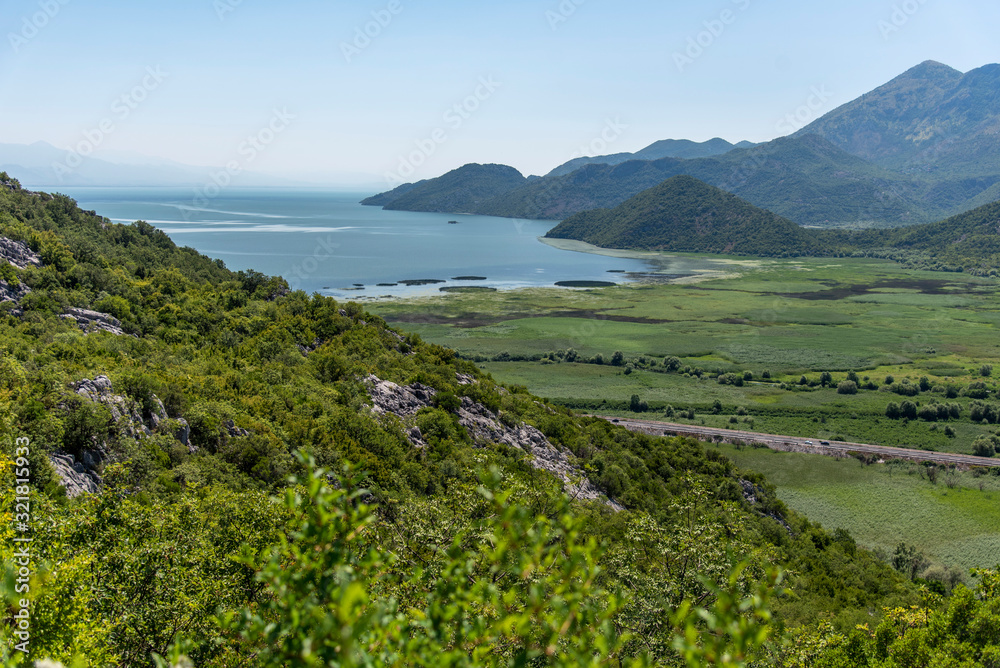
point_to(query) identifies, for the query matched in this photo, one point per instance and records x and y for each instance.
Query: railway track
(796, 444)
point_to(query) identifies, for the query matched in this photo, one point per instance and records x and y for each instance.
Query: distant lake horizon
(324, 240)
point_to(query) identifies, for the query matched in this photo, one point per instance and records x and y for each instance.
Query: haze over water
(325, 241)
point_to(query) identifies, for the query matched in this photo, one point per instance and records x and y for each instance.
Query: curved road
(794, 443)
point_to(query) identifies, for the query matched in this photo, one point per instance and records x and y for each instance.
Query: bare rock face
(90, 321)
(388, 397)
(13, 294)
(124, 411)
(485, 426)
(82, 473)
(18, 254)
(76, 477)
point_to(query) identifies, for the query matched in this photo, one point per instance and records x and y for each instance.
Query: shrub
(847, 387)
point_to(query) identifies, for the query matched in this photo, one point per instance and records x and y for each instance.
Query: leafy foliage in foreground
(185, 551)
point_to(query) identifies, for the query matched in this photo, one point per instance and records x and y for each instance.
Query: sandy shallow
(679, 269)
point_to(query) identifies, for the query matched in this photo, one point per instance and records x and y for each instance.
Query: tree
(847, 387)
(925, 384)
(672, 363)
(748, 376)
(983, 447)
(908, 560)
(893, 411)
(976, 390)
(928, 413)
(909, 410)
(618, 358)
(889, 380)
(826, 378)
(635, 404)
(716, 407)
(986, 370)
(851, 375)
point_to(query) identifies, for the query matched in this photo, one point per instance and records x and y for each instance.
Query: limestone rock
(18, 254)
(485, 426)
(388, 397)
(76, 477)
(90, 321)
(233, 430)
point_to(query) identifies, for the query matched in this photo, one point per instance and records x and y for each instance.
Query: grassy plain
(955, 522)
(787, 317)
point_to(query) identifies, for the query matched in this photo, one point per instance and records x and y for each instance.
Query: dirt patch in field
(474, 320)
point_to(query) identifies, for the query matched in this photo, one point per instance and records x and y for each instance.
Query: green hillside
(805, 179)
(456, 523)
(931, 119)
(460, 191)
(686, 215)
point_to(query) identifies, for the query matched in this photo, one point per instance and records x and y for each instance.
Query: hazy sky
(536, 82)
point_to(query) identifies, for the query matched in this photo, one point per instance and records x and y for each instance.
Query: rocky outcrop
(75, 476)
(82, 473)
(92, 321)
(124, 411)
(388, 397)
(484, 426)
(18, 254)
(13, 294)
(233, 430)
(750, 494)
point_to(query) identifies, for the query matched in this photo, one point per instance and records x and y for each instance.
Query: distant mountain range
(923, 147)
(42, 164)
(667, 148)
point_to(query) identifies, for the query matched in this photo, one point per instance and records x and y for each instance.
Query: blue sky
(536, 82)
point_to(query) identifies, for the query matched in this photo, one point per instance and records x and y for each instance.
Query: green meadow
(955, 520)
(779, 320)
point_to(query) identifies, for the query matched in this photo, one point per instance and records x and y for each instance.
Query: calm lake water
(324, 241)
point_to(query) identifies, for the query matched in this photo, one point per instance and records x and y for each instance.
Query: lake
(325, 241)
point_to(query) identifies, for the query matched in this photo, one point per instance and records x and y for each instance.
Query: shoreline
(663, 263)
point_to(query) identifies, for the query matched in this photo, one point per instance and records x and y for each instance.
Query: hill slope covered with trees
(685, 214)
(425, 527)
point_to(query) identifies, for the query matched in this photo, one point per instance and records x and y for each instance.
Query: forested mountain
(685, 214)
(931, 119)
(462, 190)
(805, 179)
(479, 523)
(924, 146)
(666, 148)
